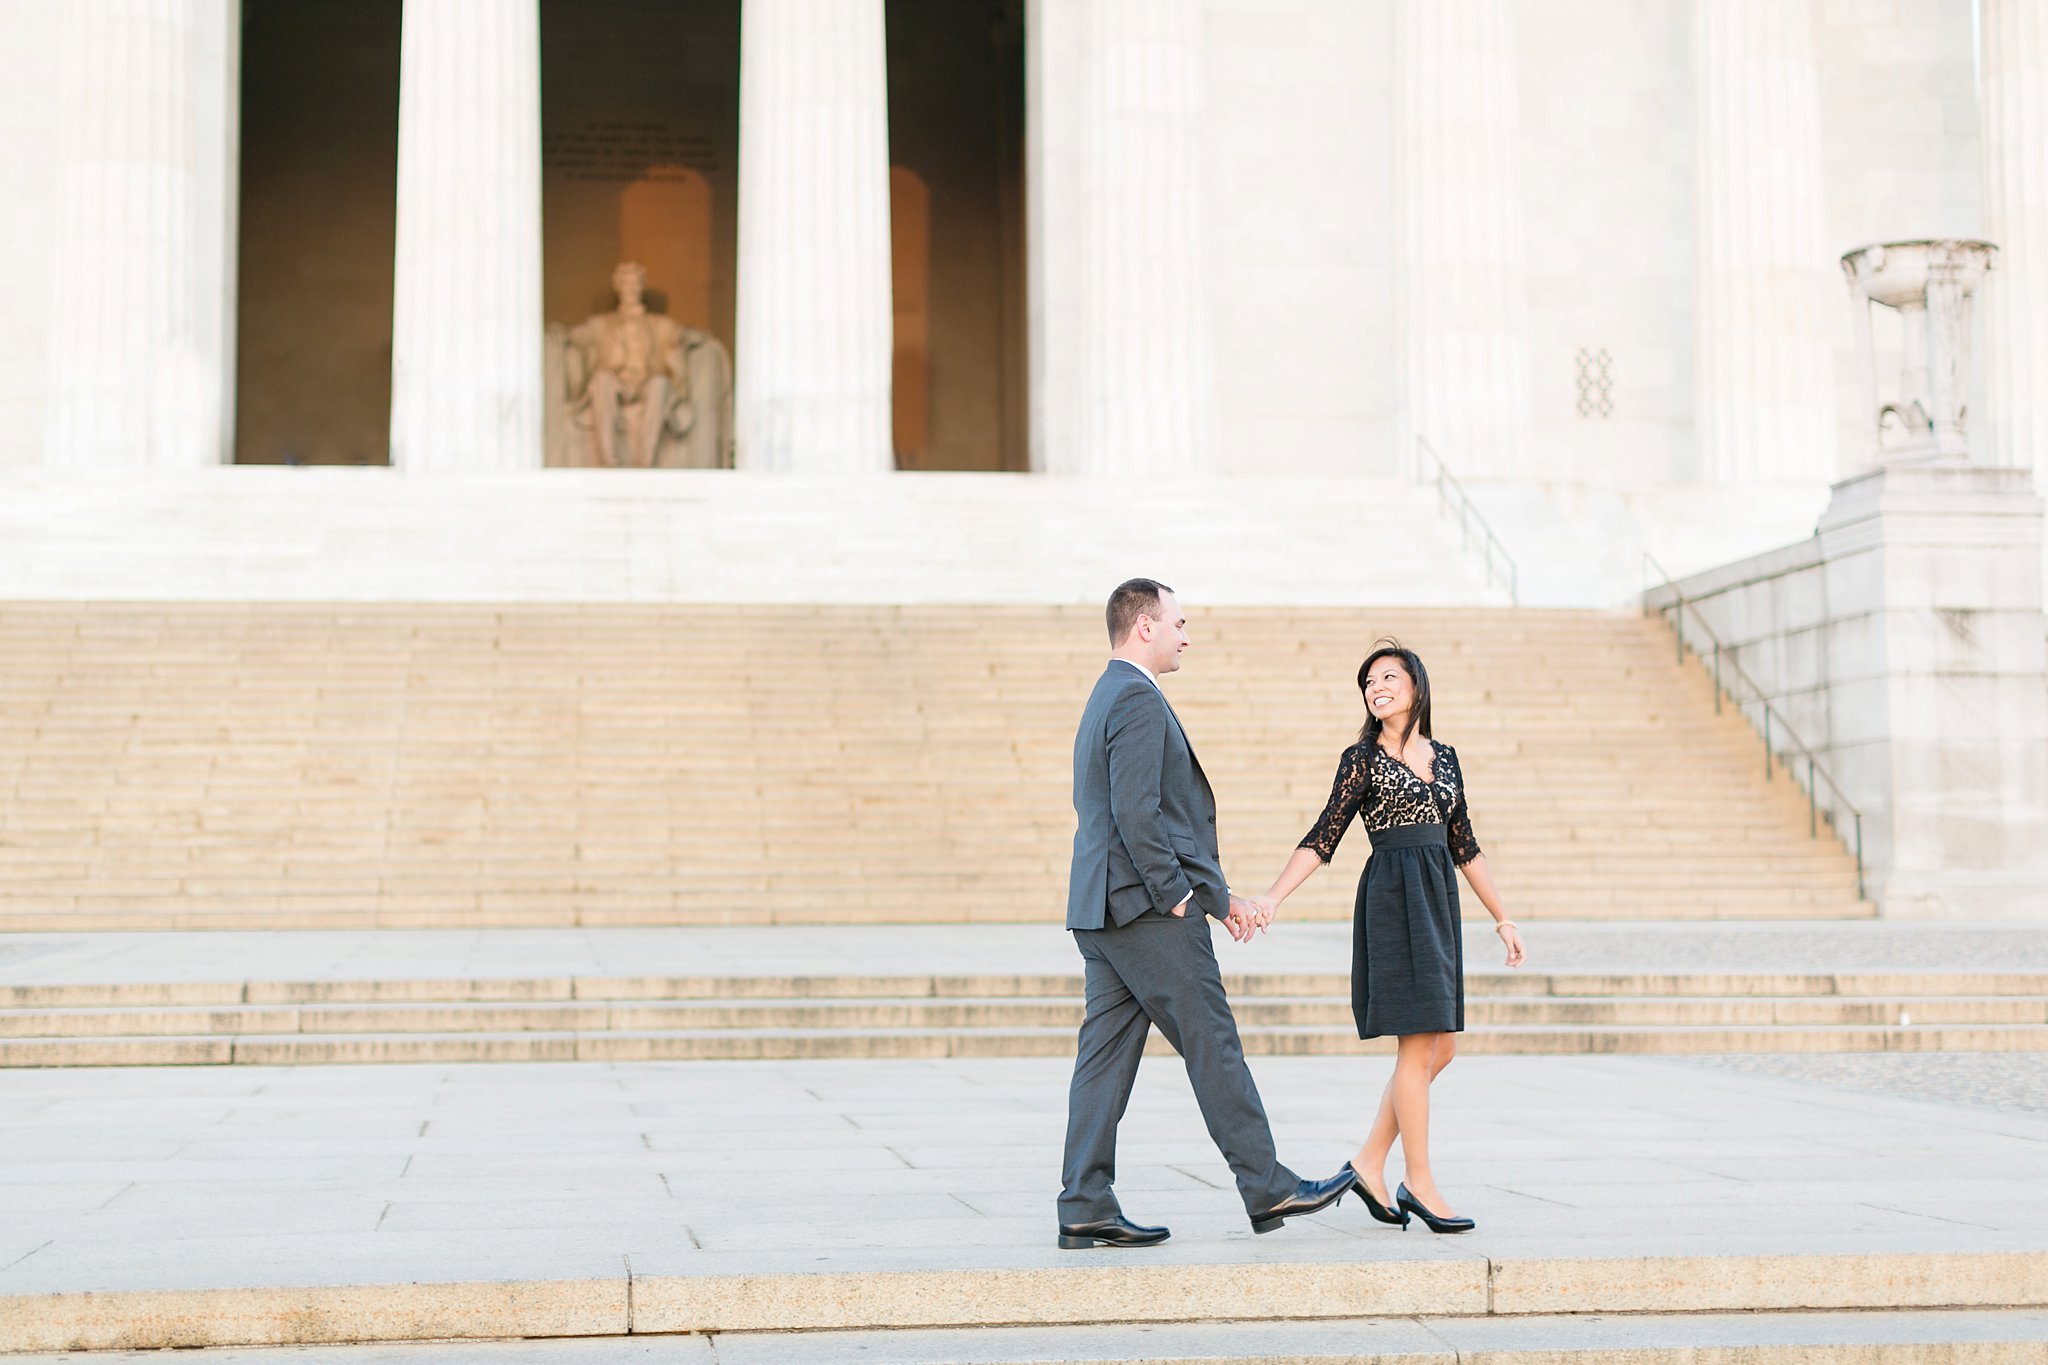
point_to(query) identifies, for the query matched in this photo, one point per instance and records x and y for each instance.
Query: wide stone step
(851, 1043)
(1480, 986)
(405, 765)
(322, 913)
(1016, 1012)
(1570, 879)
(1479, 1303)
(2011, 1336)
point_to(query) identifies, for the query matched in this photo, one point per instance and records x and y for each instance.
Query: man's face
(1164, 635)
(629, 283)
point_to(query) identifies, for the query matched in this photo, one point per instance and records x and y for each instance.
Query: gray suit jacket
(1147, 819)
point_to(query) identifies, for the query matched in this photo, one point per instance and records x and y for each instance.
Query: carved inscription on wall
(625, 150)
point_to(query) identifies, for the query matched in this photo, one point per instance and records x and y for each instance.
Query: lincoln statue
(648, 391)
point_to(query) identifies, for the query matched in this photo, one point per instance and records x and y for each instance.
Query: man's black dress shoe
(1435, 1222)
(1310, 1196)
(1110, 1232)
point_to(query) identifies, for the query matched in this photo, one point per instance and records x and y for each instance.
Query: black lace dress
(1407, 954)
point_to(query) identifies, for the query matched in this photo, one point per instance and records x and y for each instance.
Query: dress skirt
(1407, 951)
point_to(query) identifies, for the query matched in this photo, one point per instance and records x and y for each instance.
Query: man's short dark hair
(1134, 597)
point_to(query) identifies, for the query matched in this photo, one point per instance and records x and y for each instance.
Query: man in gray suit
(1146, 878)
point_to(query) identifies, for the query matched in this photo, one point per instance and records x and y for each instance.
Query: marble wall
(1300, 217)
(1300, 237)
(1607, 184)
(1903, 643)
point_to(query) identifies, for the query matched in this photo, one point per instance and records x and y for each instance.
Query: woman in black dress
(1407, 955)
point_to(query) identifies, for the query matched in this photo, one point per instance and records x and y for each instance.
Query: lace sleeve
(1347, 794)
(1458, 827)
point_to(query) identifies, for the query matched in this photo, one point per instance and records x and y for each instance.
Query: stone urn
(1929, 283)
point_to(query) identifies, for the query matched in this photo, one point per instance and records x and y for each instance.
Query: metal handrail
(1451, 494)
(1816, 772)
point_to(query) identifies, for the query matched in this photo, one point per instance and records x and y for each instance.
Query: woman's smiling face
(1389, 691)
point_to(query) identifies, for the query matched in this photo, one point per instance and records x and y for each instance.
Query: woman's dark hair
(1387, 647)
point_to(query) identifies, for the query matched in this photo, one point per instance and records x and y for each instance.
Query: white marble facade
(1224, 199)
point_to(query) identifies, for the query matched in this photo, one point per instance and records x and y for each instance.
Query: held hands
(1242, 921)
(1248, 916)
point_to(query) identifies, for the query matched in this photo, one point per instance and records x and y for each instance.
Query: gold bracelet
(1501, 924)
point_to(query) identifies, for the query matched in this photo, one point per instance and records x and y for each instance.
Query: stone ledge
(562, 536)
(1984, 1337)
(289, 1316)
(1094, 1294)
(1448, 1286)
(1692, 1284)
(933, 1043)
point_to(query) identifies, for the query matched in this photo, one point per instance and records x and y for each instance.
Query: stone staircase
(278, 765)
(270, 1023)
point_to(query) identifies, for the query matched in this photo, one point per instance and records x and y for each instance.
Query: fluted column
(466, 311)
(1143, 384)
(140, 338)
(813, 369)
(1763, 375)
(1461, 300)
(2014, 63)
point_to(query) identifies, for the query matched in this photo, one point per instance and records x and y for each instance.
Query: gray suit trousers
(1160, 969)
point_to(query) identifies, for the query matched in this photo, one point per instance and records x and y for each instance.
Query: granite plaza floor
(29, 959)
(646, 1184)
(200, 1179)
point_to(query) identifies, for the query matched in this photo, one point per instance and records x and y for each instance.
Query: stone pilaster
(1141, 389)
(1763, 376)
(813, 369)
(140, 344)
(1461, 304)
(466, 314)
(2015, 143)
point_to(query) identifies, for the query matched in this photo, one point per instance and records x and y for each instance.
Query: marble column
(2014, 63)
(815, 324)
(141, 328)
(1461, 296)
(1763, 372)
(466, 310)
(1142, 384)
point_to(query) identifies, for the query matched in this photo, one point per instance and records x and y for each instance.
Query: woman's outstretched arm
(1299, 869)
(1481, 882)
(1465, 853)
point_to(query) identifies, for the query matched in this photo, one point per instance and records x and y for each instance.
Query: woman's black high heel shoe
(1398, 1217)
(1413, 1205)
